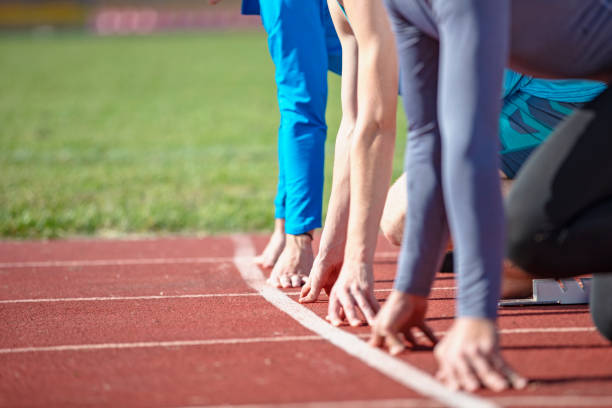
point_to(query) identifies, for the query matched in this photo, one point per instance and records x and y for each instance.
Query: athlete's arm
(371, 155)
(331, 250)
(374, 135)
(473, 44)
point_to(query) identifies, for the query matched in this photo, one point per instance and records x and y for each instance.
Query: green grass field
(132, 135)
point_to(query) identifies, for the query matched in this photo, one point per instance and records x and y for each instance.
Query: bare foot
(275, 246)
(294, 263)
(516, 283)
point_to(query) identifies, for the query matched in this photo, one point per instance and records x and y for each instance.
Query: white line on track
(392, 367)
(516, 401)
(246, 340)
(115, 262)
(547, 330)
(112, 298)
(159, 297)
(381, 256)
(556, 401)
(387, 403)
(150, 344)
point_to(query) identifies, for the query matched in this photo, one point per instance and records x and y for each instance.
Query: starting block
(570, 291)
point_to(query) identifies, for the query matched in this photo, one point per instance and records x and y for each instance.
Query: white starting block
(570, 291)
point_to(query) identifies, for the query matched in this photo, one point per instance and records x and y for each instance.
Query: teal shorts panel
(525, 122)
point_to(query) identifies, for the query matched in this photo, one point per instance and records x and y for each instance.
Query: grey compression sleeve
(452, 56)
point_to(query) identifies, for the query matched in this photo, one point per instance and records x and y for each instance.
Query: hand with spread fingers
(352, 296)
(293, 266)
(323, 275)
(469, 357)
(269, 256)
(400, 314)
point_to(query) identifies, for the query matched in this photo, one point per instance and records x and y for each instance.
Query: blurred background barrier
(107, 17)
(108, 131)
(22, 14)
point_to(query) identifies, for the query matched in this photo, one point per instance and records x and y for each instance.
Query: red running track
(173, 323)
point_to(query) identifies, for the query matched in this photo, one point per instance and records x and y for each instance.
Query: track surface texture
(188, 322)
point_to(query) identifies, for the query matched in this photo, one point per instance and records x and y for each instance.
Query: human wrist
(306, 233)
(300, 240)
(357, 254)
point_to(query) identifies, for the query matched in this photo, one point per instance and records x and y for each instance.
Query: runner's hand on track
(469, 357)
(323, 275)
(353, 292)
(294, 263)
(393, 325)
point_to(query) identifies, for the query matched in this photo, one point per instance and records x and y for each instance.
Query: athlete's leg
(524, 123)
(601, 304)
(394, 214)
(559, 212)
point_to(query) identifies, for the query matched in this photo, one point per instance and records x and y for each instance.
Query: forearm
(372, 145)
(474, 35)
(370, 166)
(334, 232)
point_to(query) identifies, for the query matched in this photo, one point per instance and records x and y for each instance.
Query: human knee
(601, 304)
(392, 229)
(603, 322)
(521, 238)
(392, 222)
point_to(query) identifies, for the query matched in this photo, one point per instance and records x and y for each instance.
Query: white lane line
(384, 290)
(381, 256)
(393, 368)
(548, 330)
(556, 401)
(151, 344)
(111, 298)
(532, 330)
(155, 297)
(386, 403)
(115, 262)
(532, 401)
